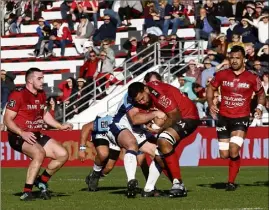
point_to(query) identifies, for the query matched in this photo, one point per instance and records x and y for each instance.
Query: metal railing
(149, 59)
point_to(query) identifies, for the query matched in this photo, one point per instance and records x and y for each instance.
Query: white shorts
(139, 133)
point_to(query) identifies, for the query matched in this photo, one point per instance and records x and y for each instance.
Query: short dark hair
(134, 89)
(30, 71)
(150, 74)
(238, 48)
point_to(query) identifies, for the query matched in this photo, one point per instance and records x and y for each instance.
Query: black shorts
(226, 125)
(16, 141)
(185, 127)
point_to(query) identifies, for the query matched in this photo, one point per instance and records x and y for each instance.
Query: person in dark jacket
(234, 8)
(206, 26)
(246, 31)
(107, 30)
(54, 109)
(7, 85)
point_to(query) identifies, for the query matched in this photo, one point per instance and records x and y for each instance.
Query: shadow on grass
(105, 188)
(36, 194)
(163, 193)
(221, 186)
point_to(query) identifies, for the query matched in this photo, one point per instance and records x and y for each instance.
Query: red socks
(45, 177)
(234, 165)
(172, 163)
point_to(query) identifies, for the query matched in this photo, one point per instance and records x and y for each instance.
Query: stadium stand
(139, 42)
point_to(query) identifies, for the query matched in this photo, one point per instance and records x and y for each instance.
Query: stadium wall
(199, 149)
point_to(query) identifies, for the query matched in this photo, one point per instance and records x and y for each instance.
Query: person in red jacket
(63, 37)
(66, 87)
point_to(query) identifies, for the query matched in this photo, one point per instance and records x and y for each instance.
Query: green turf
(203, 184)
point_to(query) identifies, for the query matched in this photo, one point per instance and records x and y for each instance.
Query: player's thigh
(149, 148)
(127, 140)
(140, 157)
(35, 151)
(223, 134)
(55, 150)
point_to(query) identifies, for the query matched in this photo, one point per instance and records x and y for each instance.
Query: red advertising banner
(199, 149)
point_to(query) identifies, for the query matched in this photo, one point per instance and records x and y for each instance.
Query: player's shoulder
(17, 92)
(224, 72)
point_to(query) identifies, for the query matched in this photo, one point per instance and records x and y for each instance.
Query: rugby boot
(152, 193)
(131, 188)
(178, 189)
(92, 180)
(230, 187)
(27, 196)
(43, 187)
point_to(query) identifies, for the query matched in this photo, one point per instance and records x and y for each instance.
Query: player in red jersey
(237, 86)
(24, 117)
(182, 120)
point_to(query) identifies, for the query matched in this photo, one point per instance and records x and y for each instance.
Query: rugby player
(182, 120)
(237, 86)
(107, 152)
(24, 117)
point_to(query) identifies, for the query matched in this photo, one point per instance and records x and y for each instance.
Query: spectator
(262, 25)
(172, 49)
(231, 29)
(210, 70)
(206, 26)
(128, 9)
(106, 31)
(249, 12)
(176, 15)
(236, 41)
(7, 85)
(185, 85)
(234, 8)
(84, 31)
(62, 39)
(112, 8)
(263, 53)
(71, 11)
(258, 9)
(265, 83)
(211, 8)
(88, 70)
(193, 70)
(200, 99)
(246, 31)
(260, 69)
(43, 32)
(37, 9)
(251, 55)
(105, 46)
(15, 27)
(152, 17)
(67, 87)
(81, 96)
(90, 9)
(220, 44)
(54, 109)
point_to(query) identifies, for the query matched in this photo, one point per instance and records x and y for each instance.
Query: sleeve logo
(11, 103)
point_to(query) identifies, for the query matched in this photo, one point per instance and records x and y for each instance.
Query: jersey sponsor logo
(31, 106)
(11, 103)
(235, 100)
(243, 85)
(223, 128)
(154, 92)
(165, 101)
(227, 84)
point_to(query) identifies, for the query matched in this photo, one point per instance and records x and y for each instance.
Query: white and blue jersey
(121, 122)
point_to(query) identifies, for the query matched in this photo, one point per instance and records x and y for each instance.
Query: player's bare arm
(172, 117)
(54, 123)
(9, 117)
(261, 103)
(210, 96)
(85, 132)
(138, 118)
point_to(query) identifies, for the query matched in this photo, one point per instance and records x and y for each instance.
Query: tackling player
(182, 120)
(237, 86)
(24, 117)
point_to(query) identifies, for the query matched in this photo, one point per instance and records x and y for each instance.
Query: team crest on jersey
(165, 102)
(154, 92)
(11, 103)
(37, 101)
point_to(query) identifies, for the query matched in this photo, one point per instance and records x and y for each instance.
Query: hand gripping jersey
(236, 92)
(29, 108)
(167, 98)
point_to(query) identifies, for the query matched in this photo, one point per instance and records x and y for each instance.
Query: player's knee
(62, 155)
(237, 140)
(39, 155)
(224, 155)
(103, 158)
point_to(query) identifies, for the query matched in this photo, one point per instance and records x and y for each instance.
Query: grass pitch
(205, 186)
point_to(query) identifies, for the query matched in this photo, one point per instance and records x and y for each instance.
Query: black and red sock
(45, 177)
(28, 187)
(234, 165)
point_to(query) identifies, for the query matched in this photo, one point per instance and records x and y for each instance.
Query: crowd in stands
(247, 23)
